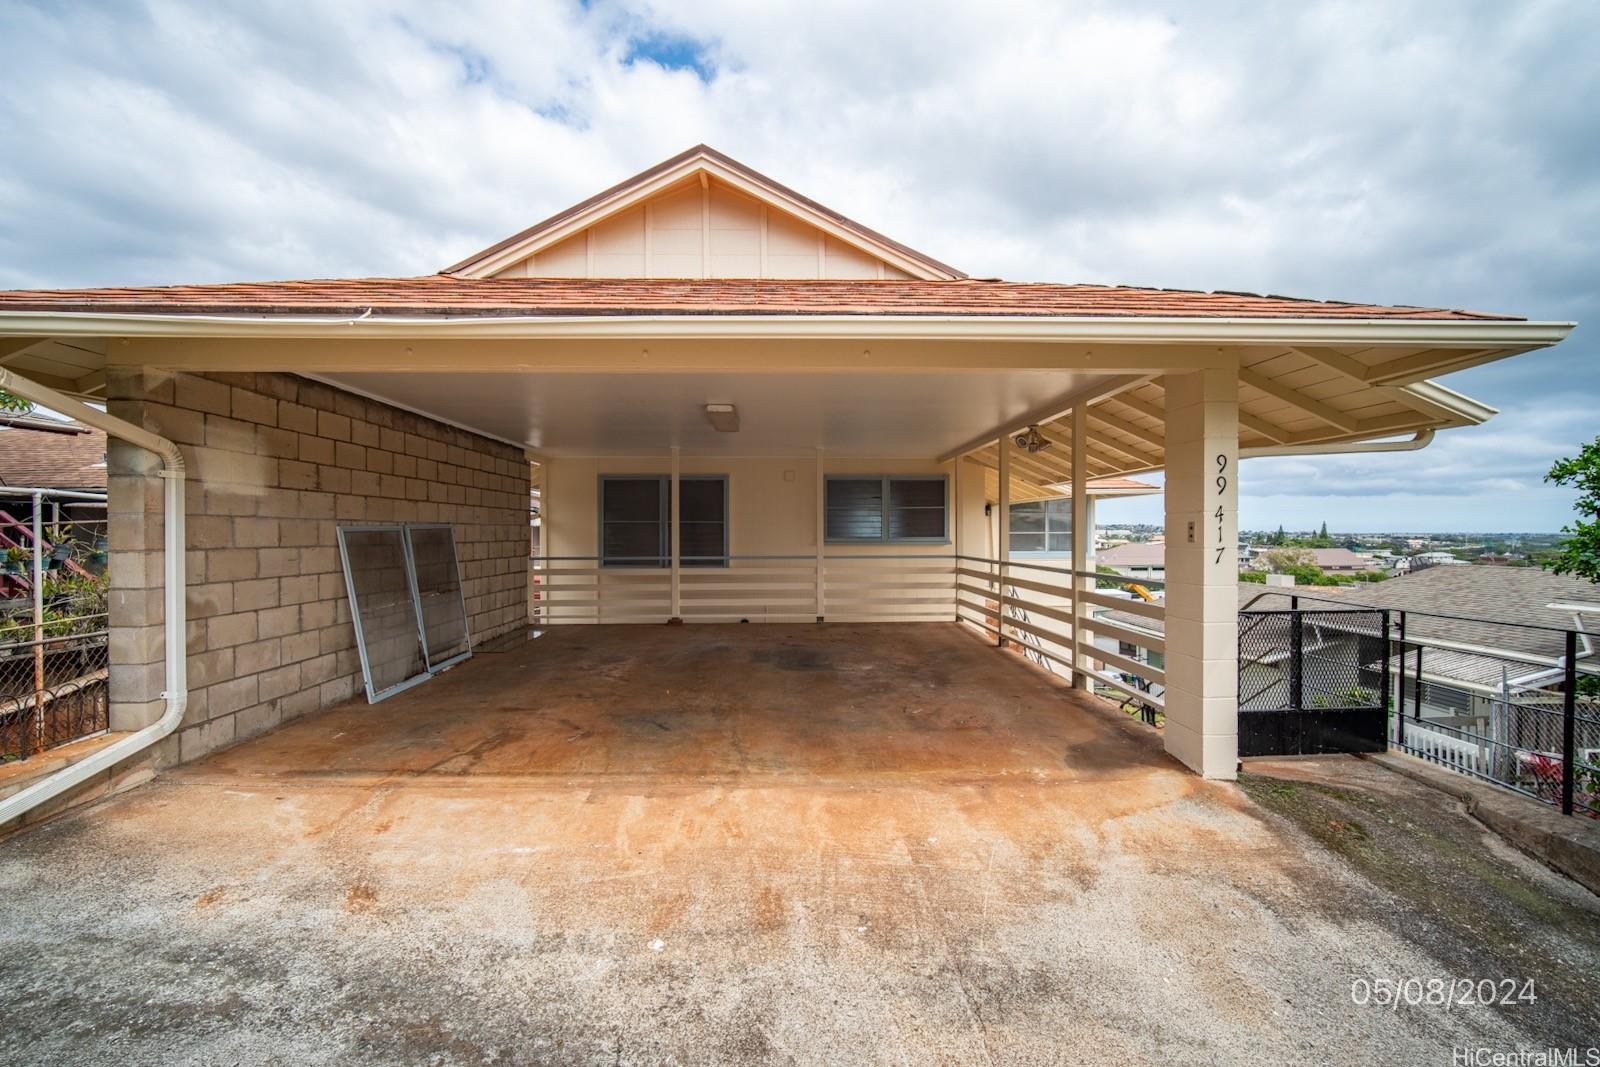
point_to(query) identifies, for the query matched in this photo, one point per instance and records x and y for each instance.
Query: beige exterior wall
(695, 231)
(772, 502)
(276, 464)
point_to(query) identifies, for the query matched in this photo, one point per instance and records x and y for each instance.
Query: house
(1136, 559)
(1149, 560)
(37, 452)
(57, 466)
(742, 404)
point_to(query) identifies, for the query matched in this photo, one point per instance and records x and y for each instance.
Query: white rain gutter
(173, 574)
(1585, 648)
(1079, 329)
(1421, 439)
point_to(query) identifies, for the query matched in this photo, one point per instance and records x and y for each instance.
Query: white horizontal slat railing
(1042, 611)
(854, 588)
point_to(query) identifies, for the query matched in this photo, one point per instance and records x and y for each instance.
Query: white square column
(1202, 602)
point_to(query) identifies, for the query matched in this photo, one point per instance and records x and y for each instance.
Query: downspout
(177, 667)
(1421, 439)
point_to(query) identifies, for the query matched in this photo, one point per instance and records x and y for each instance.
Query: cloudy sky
(1421, 153)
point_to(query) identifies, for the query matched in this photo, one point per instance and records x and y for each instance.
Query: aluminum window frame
(887, 508)
(461, 596)
(1047, 552)
(668, 519)
(429, 669)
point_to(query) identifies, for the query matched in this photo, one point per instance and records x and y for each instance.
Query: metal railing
(54, 640)
(1494, 700)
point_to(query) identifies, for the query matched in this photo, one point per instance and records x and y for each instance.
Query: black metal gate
(1313, 682)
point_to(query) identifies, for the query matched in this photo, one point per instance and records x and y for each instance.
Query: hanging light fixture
(1031, 440)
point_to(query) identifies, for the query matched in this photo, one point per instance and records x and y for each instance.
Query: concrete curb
(1566, 843)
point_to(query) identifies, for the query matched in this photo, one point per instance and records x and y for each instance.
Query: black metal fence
(1514, 704)
(1307, 683)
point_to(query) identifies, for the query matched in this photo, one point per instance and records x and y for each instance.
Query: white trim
(1439, 333)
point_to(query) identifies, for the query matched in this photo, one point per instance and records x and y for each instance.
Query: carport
(658, 707)
(739, 406)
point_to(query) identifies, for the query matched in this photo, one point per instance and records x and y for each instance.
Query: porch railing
(848, 588)
(1041, 606)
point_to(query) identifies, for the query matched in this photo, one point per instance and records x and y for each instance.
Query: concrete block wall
(276, 463)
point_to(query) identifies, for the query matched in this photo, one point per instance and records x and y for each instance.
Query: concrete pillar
(1202, 606)
(1082, 547)
(134, 568)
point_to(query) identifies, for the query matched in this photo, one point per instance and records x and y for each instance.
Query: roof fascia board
(629, 196)
(1507, 337)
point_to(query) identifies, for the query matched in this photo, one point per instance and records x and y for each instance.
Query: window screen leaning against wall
(635, 520)
(887, 508)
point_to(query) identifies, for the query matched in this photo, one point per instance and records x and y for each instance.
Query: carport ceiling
(857, 414)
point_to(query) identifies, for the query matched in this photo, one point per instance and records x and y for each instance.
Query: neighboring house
(1149, 560)
(743, 404)
(1136, 560)
(1492, 641)
(1329, 560)
(1424, 560)
(39, 452)
(43, 453)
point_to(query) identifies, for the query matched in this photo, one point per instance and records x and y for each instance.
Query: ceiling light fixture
(724, 418)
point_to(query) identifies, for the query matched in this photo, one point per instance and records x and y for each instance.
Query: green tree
(1579, 554)
(14, 404)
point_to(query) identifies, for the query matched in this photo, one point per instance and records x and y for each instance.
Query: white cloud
(1404, 153)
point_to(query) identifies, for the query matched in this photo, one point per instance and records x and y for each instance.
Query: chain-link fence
(1514, 738)
(54, 654)
(1305, 683)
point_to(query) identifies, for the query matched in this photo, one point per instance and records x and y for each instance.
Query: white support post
(955, 536)
(1004, 554)
(822, 531)
(675, 526)
(1082, 548)
(1202, 606)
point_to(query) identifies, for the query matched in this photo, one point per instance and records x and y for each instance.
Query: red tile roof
(442, 294)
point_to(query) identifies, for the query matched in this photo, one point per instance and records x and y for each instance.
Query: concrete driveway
(752, 844)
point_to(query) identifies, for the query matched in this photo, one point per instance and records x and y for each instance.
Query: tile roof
(51, 459)
(1513, 597)
(443, 294)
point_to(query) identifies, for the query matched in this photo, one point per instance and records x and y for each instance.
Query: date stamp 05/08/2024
(1445, 993)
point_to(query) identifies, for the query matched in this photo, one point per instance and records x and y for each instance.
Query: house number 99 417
(1222, 488)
